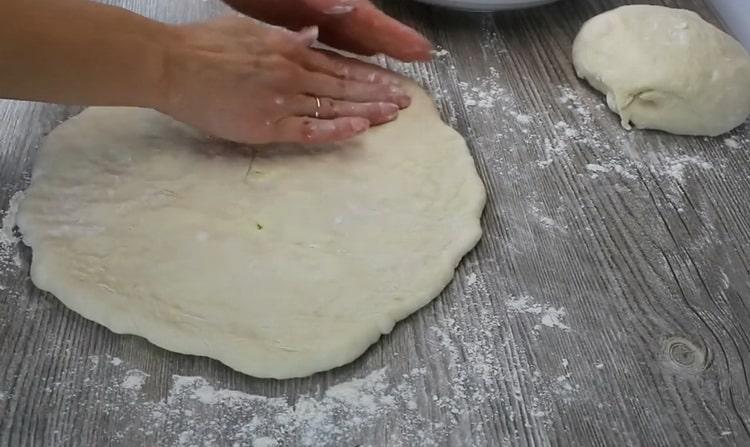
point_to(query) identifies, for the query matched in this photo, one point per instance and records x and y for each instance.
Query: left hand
(350, 25)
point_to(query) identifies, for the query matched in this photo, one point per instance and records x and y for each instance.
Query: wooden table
(607, 304)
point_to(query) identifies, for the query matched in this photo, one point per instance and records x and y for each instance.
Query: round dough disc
(666, 69)
(279, 261)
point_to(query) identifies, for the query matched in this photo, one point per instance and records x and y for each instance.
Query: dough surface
(279, 261)
(666, 69)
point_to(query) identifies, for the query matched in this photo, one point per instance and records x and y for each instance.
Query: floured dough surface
(666, 69)
(279, 261)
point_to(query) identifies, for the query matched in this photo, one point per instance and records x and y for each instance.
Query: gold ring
(317, 107)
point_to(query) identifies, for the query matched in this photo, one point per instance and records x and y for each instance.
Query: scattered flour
(564, 386)
(9, 258)
(596, 168)
(523, 304)
(523, 118)
(314, 421)
(731, 143)
(476, 364)
(617, 157)
(552, 317)
(265, 442)
(548, 315)
(441, 52)
(484, 96)
(546, 221)
(614, 155)
(134, 380)
(675, 168)
(200, 412)
(7, 235)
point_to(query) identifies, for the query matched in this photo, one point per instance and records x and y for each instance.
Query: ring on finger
(317, 107)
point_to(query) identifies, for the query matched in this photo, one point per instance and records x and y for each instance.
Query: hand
(252, 83)
(350, 25)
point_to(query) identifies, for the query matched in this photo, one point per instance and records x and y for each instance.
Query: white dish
(487, 5)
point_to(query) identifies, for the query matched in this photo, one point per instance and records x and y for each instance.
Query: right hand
(351, 25)
(248, 82)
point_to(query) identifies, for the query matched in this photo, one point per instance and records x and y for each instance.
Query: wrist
(174, 59)
(159, 59)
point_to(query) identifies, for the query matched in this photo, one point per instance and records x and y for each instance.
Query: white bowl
(487, 5)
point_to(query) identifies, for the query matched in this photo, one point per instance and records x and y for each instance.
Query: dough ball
(666, 69)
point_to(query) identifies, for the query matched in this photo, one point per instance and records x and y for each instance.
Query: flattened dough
(279, 261)
(666, 69)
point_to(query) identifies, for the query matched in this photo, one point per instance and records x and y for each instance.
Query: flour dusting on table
(549, 316)
(8, 239)
(194, 410)
(134, 380)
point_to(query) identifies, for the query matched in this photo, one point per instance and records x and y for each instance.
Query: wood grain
(641, 238)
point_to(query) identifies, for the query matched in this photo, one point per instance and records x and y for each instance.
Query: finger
(374, 112)
(292, 15)
(367, 30)
(307, 36)
(288, 41)
(342, 67)
(317, 131)
(325, 86)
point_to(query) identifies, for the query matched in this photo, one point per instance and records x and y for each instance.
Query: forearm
(80, 52)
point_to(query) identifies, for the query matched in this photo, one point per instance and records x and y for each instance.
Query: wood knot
(684, 355)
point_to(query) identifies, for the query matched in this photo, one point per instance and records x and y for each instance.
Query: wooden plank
(607, 304)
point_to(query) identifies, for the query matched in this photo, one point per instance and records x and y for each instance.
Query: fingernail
(341, 7)
(392, 80)
(360, 125)
(403, 101)
(425, 45)
(396, 90)
(308, 35)
(389, 110)
(380, 78)
(338, 10)
(400, 96)
(421, 51)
